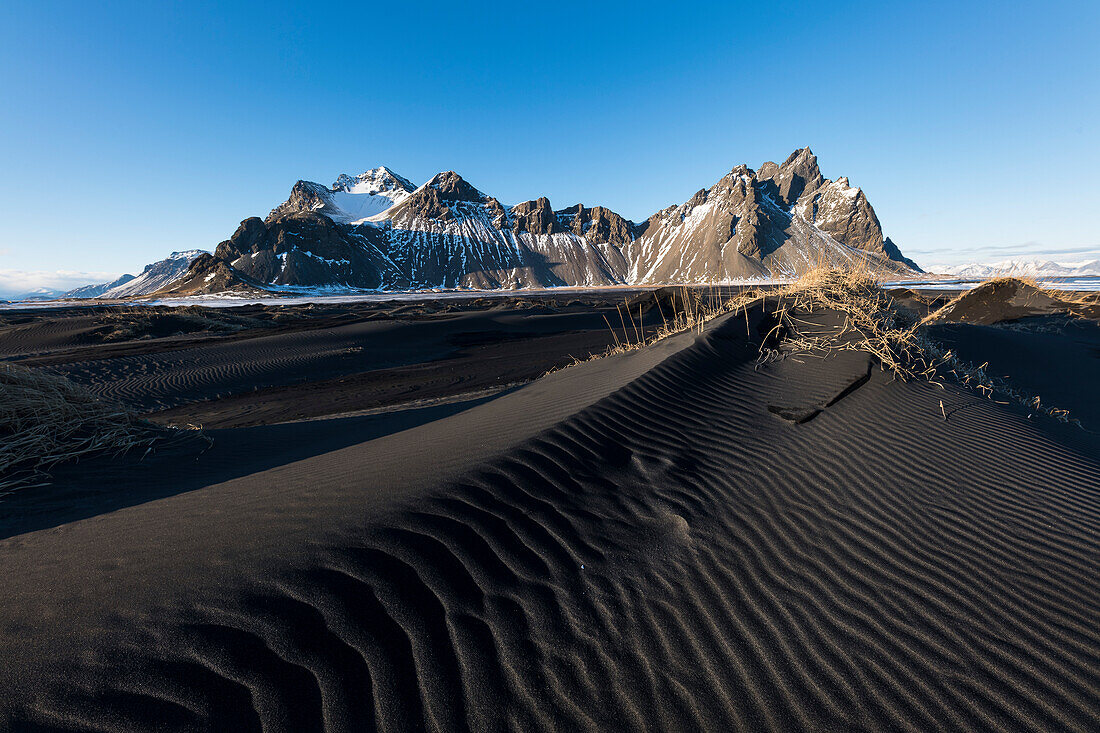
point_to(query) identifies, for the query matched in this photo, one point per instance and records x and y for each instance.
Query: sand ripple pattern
(673, 558)
(171, 378)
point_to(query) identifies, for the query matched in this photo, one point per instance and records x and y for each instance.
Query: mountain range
(378, 230)
(1027, 267)
(154, 277)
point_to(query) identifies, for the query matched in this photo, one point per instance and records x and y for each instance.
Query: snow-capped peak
(847, 189)
(376, 180)
(188, 255)
(354, 199)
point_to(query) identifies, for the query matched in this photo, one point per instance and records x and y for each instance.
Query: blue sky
(131, 130)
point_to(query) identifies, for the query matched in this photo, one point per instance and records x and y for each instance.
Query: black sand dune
(1010, 299)
(1054, 358)
(636, 543)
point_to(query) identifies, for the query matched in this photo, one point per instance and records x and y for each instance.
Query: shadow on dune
(97, 486)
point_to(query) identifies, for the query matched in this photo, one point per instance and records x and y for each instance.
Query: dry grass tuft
(872, 323)
(130, 322)
(898, 341)
(46, 420)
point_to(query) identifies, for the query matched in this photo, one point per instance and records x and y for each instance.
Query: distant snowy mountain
(155, 276)
(1027, 267)
(379, 231)
(36, 294)
(95, 291)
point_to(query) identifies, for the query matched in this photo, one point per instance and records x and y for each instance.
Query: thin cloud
(1018, 248)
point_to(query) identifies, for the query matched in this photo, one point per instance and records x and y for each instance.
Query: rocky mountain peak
(802, 158)
(741, 171)
(375, 231)
(698, 199)
(535, 217)
(597, 224)
(797, 175)
(436, 199)
(452, 187)
(344, 182)
(305, 196)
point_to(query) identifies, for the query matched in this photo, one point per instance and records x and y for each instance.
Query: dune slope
(639, 543)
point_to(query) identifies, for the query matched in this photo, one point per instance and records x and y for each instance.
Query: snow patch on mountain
(35, 295)
(354, 200)
(154, 277)
(95, 291)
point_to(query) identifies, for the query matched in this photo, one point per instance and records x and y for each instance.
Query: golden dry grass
(46, 419)
(872, 323)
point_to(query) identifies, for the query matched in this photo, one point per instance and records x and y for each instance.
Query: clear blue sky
(130, 130)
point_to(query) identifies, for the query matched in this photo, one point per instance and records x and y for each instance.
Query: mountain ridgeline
(379, 231)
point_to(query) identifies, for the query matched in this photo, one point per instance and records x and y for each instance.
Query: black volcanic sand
(254, 365)
(1054, 358)
(642, 542)
(1002, 300)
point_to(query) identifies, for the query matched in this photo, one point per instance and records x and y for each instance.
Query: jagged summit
(378, 230)
(797, 175)
(376, 180)
(453, 187)
(350, 200)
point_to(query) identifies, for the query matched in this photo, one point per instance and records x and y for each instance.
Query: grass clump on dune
(47, 419)
(899, 341)
(871, 322)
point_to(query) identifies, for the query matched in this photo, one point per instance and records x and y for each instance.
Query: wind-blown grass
(47, 419)
(872, 323)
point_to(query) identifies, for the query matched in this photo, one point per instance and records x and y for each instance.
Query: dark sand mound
(1001, 300)
(1054, 358)
(668, 301)
(910, 301)
(635, 543)
(26, 333)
